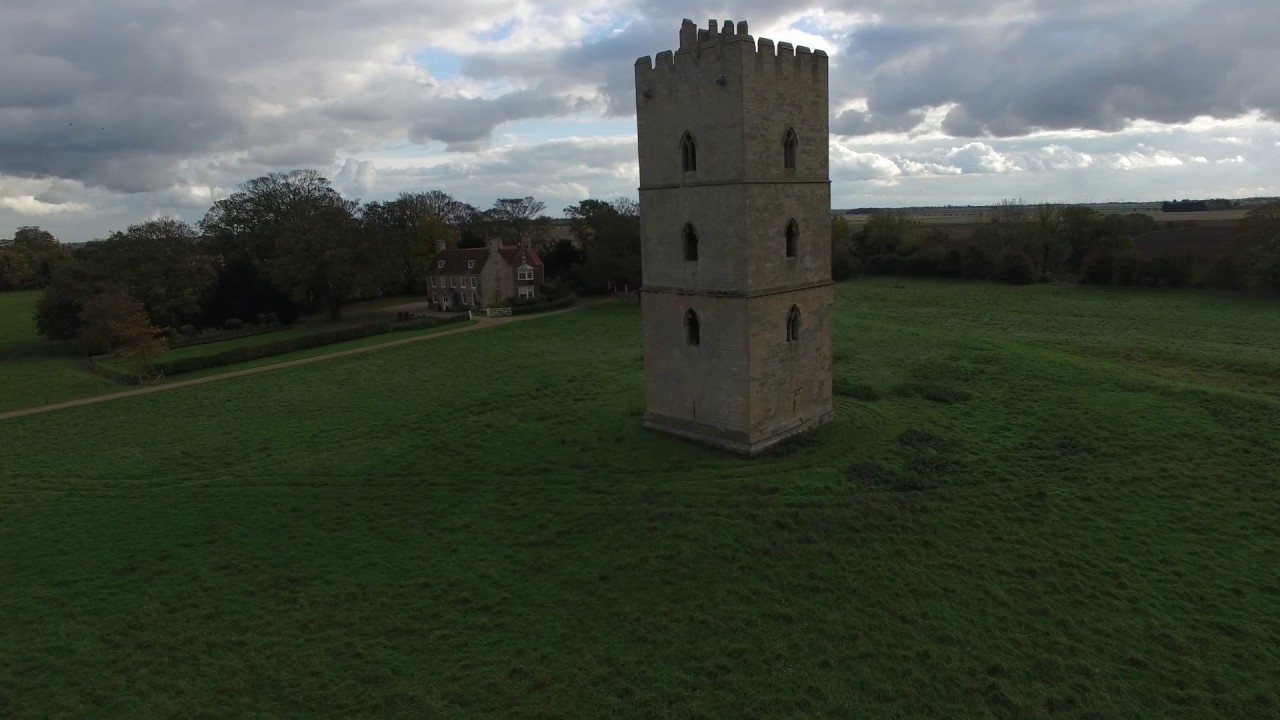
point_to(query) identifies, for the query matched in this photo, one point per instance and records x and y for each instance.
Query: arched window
(793, 237)
(690, 242)
(789, 143)
(688, 153)
(692, 328)
(793, 324)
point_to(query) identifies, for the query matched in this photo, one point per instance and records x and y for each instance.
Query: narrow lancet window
(690, 242)
(789, 143)
(688, 153)
(793, 324)
(793, 237)
(692, 329)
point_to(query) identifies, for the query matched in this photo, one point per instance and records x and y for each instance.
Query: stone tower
(735, 228)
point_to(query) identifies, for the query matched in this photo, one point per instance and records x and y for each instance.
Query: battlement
(704, 47)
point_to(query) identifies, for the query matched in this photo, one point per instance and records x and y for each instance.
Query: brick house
(480, 277)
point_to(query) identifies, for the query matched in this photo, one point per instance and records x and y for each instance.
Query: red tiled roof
(514, 256)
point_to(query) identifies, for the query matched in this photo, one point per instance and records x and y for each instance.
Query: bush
(306, 342)
(233, 324)
(1016, 269)
(188, 330)
(977, 264)
(540, 304)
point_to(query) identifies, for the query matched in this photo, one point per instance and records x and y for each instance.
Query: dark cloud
(465, 123)
(1069, 67)
(176, 102)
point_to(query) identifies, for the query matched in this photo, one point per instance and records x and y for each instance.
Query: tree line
(1023, 245)
(286, 244)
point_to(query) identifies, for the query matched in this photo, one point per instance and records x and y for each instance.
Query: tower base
(739, 443)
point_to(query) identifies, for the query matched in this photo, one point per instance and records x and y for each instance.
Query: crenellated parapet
(726, 50)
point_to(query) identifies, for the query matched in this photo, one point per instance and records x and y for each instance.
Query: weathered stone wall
(705, 383)
(790, 381)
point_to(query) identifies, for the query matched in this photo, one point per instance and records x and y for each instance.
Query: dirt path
(178, 385)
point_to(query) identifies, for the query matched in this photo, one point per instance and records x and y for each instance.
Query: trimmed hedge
(211, 336)
(305, 342)
(539, 305)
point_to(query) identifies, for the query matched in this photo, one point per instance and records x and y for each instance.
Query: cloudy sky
(115, 111)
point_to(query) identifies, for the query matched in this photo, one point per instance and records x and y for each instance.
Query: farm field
(1034, 502)
(974, 216)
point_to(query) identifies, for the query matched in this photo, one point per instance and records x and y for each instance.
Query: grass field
(33, 371)
(1035, 502)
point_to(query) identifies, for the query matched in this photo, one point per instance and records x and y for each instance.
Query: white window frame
(439, 264)
(433, 281)
(524, 274)
(473, 282)
(525, 291)
(471, 264)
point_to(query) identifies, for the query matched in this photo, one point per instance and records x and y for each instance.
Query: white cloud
(29, 205)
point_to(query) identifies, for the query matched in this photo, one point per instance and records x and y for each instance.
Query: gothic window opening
(789, 143)
(793, 237)
(688, 153)
(690, 242)
(793, 324)
(692, 328)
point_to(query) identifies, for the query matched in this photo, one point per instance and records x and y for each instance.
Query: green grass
(1034, 502)
(325, 349)
(33, 371)
(355, 314)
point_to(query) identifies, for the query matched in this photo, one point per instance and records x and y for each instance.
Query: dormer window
(439, 264)
(789, 144)
(688, 153)
(690, 237)
(471, 264)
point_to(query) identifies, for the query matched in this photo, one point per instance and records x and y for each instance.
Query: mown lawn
(32, 370)
(1035, 502)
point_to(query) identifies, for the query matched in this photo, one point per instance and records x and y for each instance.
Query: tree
(407, 232)
(119, 322)
(245, 232)
(887, 232)
(513, 218)
(34, 250)
(16, 270)
(321, 261)
(609, 233)
(1257, 242)
(159, 263)
(59, 307)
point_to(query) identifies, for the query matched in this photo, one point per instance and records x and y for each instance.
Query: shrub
(1016, 268)
(1098, 268)
(540, 304)
(188, 330)
(977, 264)
(306, 342)
(1126, 270)
(951, 264)
(233, 324)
